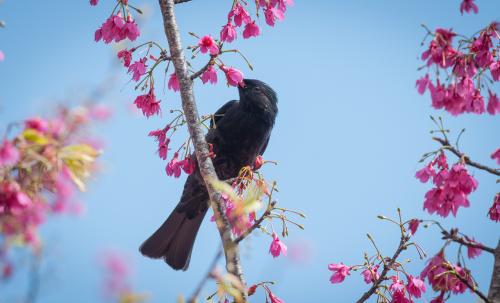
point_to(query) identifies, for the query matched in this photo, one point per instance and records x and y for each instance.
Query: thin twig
(472, 288)
(257, 223)
(181, 1)
(383, 274)
(206, 277)
(446, 144)
(453, 236)
(201, 71)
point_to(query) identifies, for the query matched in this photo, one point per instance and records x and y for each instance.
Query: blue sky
(348, 138)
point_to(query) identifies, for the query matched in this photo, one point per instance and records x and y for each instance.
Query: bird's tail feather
(174, 240)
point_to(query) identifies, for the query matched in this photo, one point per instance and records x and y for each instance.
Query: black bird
(241, 133)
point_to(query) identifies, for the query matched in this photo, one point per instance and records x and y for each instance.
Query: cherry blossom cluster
(41, 169)
(386, 275)
(447, 277)
(119, 26)
(175, 166)
(116, 284)
(465, 72)
(243, 198)
(452, 186)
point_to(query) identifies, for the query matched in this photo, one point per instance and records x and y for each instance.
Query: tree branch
(446, 144)
(387, 267)
(472, 288)
(181, 1)
(453, 236)
(257, 223)
(207, 170)
(494, 292)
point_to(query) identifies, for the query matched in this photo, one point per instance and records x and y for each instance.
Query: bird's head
(256, 92)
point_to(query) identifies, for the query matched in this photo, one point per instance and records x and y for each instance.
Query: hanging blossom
(413, 225)
(238, 16)
(117, 28)
(148, 103)
(467, 65)
(496, 156)
(277, 247)
(473, 252)
(340, 272)
(442, 275)
(234, 77)
(210, 75)
(138, 68)
(494, 212)
(451, 186)
(468, 6)
(173, 83)
(370, 274)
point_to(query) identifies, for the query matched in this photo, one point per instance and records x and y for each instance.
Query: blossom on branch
(340, 271)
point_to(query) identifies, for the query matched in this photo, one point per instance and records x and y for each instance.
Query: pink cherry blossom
(413, 225)
(9, 155)
(439, 273)
(493, 104)
(239, 14)
(396, 285)
(370, 274)
(251, 30)
(126, 56)
(207, 44)
(467, 6)
(173, 83)
(340, 271)
(495, 70)
(210, 75)
(111, 29)
(274, 299)
(277, 247)
(138, 68)
(37, 123)
(188, 165)
(148, 103)
(496, 156)
(174, 167)
(160, 134)
(12, 199)
(494, 212)
(441, 51)
(163, 149)
(93, 2)
(425, 173)
(400, 297)
(473, 252)
(415, 286)
(271, 14)
(422, 84)
(234, 77)
(452, 187)
(130, 30)
(228, 33)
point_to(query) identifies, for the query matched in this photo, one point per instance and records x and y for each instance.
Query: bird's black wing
(221, 111)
